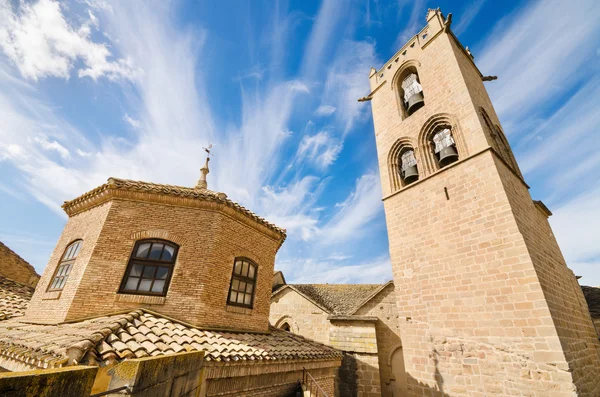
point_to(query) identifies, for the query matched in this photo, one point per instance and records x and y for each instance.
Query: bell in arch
(448, 155)
(413, 93)
(415, 102)
(445, 148)
(409, 171)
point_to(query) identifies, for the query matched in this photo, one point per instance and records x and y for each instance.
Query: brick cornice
(124, 189)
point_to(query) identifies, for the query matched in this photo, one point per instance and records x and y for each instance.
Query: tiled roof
(14, 298)
(592, 296)
(169, 190)
(142, 333)
(341, 299)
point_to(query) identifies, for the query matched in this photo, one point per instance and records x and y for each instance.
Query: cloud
(469, 14)
(53, 145)
(330, 15)
(575, 226)
(320, 149)
(356, 214)
(325, 110)
(132, 122)
(41, 43)
(413, 25)
(375, 271)
(536, 59)
(347, 80)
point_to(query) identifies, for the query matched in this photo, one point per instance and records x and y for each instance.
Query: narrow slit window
(150, 268)
(243, 282)
(64, 267)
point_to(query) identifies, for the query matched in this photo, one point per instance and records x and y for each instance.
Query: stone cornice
(125, 189)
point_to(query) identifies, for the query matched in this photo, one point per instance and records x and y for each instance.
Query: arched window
(150, 268)
(243, 283)
(64, 267)
(444, 146)
(285, 326)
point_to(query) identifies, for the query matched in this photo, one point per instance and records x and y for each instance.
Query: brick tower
(487, 304)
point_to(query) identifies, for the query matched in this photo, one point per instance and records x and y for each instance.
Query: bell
(411, 174)
(448, 155)
(415, 103)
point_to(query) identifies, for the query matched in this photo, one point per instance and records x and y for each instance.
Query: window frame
(133, 260)
(245, 279)
(63, 263)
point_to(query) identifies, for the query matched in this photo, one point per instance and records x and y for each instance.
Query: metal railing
(311, 384)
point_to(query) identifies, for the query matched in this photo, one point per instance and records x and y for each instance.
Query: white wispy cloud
(355, 215)
(538, 56)
(576, 228)
(468, 16)
(37, 38)
(325, 110)
(347, 80)
(52, 145)
(375, 271)
(330, 15)
(132, 122)
(415, 22)
(320, 149)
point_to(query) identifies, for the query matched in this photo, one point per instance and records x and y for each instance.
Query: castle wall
(15, 268)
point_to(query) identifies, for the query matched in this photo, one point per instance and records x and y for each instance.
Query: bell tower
(487, 304)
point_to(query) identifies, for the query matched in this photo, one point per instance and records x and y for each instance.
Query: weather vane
(207, 149)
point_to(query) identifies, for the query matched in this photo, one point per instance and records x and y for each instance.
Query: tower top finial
(202, 184)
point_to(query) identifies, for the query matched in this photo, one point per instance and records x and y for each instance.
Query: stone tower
(487, 304)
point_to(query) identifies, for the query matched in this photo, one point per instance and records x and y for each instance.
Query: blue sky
(92, 88)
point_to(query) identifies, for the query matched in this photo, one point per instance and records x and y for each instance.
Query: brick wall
(209, 242)
(13, 267)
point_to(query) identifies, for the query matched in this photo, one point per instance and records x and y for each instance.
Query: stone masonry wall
(359, 374)
(383, 306)
(15, 268)
(476, 318)
(209, 242)
(559, 289)
(304, 317)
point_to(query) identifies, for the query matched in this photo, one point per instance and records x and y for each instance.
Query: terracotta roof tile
(104, 340)
(14, 298)
(341, 299)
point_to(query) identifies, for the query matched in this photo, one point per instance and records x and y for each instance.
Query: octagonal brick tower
(183, 252)
(487, 304)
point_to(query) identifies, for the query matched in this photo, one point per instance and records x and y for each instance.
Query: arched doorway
(398, 381)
